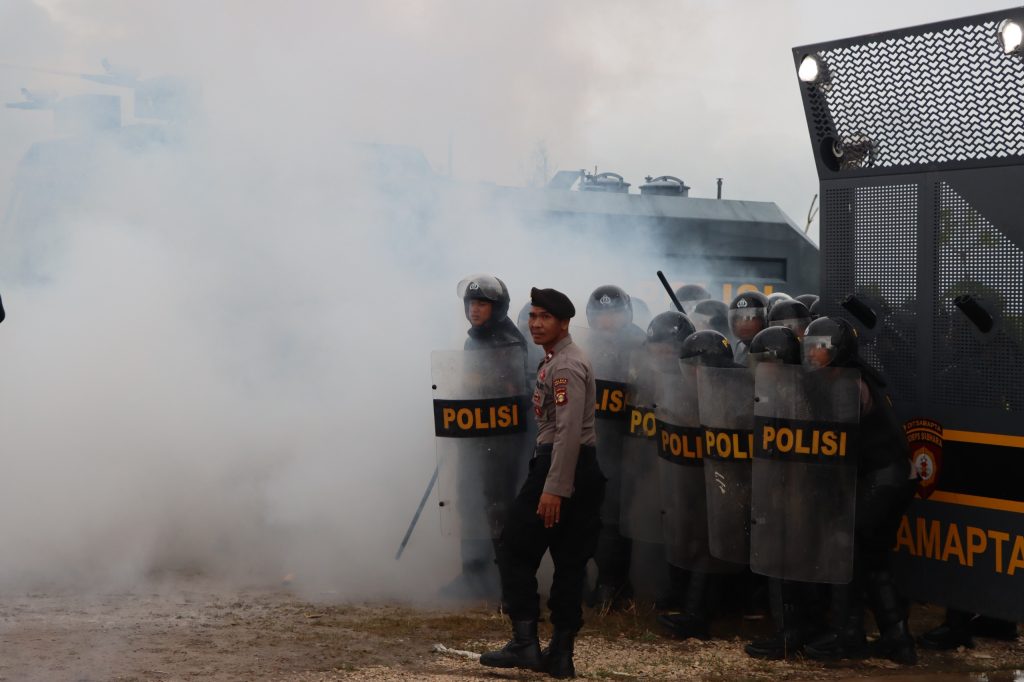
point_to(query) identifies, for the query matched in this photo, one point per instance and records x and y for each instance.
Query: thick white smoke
(217, 351)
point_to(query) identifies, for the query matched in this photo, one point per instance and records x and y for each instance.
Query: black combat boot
(894, 641)
(693, 620)
(795, 612)
(522, 651)
(557, 656)
(846, 639)
(954, 632)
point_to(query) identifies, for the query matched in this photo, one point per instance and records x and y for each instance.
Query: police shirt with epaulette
(563, 403)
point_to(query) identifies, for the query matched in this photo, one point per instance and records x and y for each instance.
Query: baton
(416, 516)
(671, 294)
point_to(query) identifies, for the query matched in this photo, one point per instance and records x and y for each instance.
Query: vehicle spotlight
(1011, 35)
(810, 70)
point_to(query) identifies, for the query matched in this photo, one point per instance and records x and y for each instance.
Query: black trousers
(572, 542)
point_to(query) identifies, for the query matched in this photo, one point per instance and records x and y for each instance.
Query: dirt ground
(195, 631)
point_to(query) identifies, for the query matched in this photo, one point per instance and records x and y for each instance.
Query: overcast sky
(695, 89)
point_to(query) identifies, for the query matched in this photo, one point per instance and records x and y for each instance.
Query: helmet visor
(817, 351)
(745, 323)
(485, 287)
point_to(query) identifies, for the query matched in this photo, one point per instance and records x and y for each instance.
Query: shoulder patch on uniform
(560, 381)
(561, 394)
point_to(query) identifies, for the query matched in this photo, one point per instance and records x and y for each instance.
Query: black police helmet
(776, 344)
(790, 313)
(830, 341)
(711, 314)
(816, 309)
(669, 327)
(608, 299)
(775, 298)
(744, 310)
(808, 299)
(749, 299)
(692, 292)
(484, 287)
(707, 347)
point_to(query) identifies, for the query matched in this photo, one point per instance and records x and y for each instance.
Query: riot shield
(727, 420)
(609, 354)
(681, 458)
(641, 508)
(804, 474)
(481, 412)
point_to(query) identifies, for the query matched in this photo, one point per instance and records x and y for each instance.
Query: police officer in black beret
(558, 508)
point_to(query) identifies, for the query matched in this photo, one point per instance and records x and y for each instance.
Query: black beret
(555, 302)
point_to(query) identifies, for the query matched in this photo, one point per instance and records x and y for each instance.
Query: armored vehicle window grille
(885, 246)
(973, 257)
(870, 249)
(886, 243)
(937, 96)
(837, 247)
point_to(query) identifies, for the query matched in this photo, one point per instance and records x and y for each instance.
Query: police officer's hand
(549, 509)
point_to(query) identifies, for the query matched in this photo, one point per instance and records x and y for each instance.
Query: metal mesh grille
(885, 243)
(973, 257)
(871, 251)
(837, 247)
(933, 97)
(885, 246)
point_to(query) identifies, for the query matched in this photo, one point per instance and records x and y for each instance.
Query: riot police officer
(485, 300)
(790, 313)
(885, 485)
(641, 502)
(711, 314)
(686, 538)
(558, 507)
(610, 344)
(797, 608)
(748, 314)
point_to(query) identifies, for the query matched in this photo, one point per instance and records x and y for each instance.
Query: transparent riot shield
(609, 354)
(481, 412)
(727, 420)
(641, 506)
(804, 474)
(681, 457)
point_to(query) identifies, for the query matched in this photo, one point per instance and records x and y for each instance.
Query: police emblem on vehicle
(925, 439)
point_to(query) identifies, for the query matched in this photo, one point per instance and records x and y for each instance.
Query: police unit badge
(561, 394)
(742, 303)
(925, 439)
(606, 300)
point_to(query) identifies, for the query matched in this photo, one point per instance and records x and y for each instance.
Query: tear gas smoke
(216, 356)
